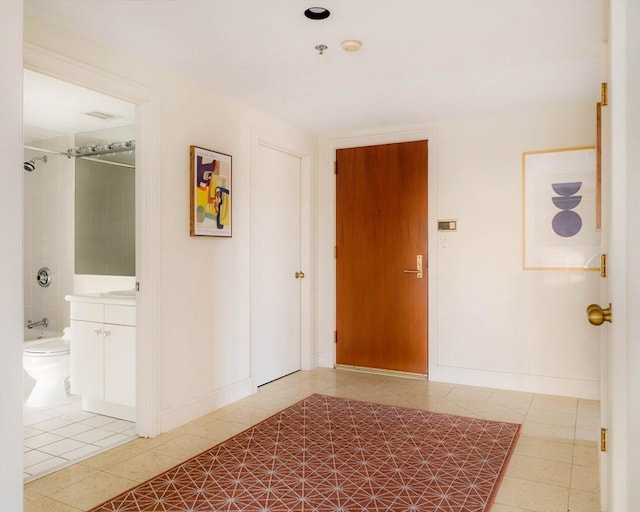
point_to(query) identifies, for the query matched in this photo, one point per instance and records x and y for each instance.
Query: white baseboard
(325, 360)
(179, 415)
(578, 388)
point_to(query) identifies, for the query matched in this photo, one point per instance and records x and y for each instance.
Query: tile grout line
(61, 413)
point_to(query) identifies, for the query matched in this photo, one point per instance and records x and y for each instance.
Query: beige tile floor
(554, 467)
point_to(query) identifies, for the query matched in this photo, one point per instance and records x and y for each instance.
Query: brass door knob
(597, 315)
(299, 275)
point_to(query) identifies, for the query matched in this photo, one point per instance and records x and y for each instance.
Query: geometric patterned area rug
(331, 454)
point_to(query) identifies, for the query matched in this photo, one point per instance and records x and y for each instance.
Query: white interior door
(621, 406)
(277, 259)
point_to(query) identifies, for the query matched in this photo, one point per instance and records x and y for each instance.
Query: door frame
(148, 233)
(605, 331)
(307, 340)
(373, 138)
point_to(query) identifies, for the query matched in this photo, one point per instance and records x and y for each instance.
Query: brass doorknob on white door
(597, 315)
(299, 275)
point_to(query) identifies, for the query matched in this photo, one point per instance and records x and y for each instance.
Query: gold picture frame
(559, 210)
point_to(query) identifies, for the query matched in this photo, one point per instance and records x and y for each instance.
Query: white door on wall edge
(277, 260)
(620, 472)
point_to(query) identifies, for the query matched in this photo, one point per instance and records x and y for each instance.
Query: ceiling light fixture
(317, 13)
(351, 45)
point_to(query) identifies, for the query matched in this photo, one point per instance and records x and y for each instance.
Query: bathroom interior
(79, 273)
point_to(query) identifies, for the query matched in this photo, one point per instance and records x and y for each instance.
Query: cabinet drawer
(87, 311)
(122, 315)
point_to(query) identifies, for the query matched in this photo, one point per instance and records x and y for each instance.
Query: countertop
(120, 297)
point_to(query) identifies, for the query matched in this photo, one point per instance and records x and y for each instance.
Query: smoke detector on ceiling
(351, 45)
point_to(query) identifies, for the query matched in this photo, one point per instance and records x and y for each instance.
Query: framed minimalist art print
(559, 193)
(211, 195)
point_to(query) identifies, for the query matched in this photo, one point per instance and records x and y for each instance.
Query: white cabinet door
(87, 359)
(120, 364)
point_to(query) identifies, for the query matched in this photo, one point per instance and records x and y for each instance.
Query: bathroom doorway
(64, 125)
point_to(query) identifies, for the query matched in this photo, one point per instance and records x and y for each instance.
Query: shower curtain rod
(92, 150)
(33, 148)
(119, 164)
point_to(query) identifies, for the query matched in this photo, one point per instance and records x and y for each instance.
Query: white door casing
(281, 247)
(604, 296)
(11, 257)
(148, 232)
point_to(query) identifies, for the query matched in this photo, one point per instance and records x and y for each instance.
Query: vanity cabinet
(103, 357)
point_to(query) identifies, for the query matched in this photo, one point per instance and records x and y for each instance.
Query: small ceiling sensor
(317, 13)
(321, 48)
(351, 45)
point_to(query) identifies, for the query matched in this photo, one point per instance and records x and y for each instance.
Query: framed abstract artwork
(559, 203)
(211, 195)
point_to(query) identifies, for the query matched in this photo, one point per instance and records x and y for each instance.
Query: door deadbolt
(597, 315)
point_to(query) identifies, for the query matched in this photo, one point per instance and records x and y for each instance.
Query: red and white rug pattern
(332, 454)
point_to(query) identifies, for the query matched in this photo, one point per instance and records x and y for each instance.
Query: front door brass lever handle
(597, 315)
(418, 270)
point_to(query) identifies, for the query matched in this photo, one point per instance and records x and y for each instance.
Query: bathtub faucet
(44, 323)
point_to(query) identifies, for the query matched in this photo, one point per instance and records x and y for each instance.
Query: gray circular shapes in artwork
(566, 223)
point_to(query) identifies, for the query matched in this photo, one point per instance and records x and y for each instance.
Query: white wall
(206, 282)
(11, 289)
(203, 315)
(499, 325)
(491, 323)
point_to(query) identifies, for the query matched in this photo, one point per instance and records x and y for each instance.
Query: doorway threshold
(380, 371)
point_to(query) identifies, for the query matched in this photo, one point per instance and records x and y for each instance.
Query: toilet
(48, 363)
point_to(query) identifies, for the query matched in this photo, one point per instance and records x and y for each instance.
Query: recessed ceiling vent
(101, 115)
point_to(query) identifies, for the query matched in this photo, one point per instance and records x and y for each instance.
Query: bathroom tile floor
(554, 467)
(58, 436)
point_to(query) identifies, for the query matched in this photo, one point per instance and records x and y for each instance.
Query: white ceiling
(421, 60)
(53, 108)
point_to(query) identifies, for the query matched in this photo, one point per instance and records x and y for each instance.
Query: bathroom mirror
(105, 207)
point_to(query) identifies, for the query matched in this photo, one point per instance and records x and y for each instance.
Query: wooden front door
(381, 229)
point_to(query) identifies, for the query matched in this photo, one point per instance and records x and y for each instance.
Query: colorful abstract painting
(210, 193)
(559, 210)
